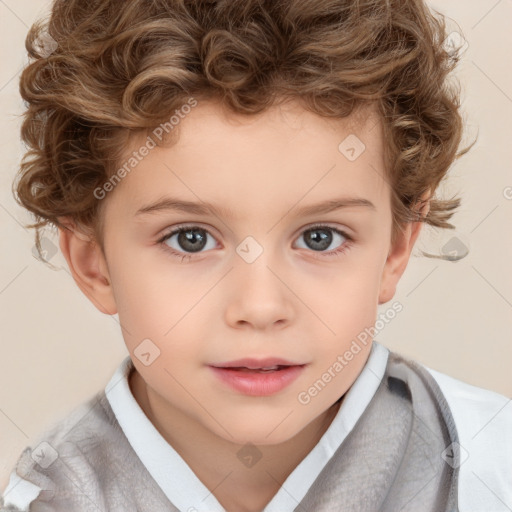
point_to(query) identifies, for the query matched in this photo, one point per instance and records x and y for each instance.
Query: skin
(293, 301)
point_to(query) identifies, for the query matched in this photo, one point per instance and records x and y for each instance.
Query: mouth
(258, 377)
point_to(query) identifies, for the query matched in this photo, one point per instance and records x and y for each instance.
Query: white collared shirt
(482, 418)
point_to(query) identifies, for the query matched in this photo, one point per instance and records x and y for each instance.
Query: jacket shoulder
(68, 445)
(483, 420)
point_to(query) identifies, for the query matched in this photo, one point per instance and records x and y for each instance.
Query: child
(302, 143)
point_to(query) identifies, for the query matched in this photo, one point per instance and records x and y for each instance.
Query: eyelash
(186, 256)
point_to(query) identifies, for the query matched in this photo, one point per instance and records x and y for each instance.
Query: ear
(87, 265)
(400, 252)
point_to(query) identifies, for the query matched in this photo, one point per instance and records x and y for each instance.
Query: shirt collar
(186, 491)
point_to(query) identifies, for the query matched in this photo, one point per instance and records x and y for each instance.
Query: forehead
(268, 160)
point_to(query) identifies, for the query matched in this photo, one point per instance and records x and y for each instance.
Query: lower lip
(258, 383)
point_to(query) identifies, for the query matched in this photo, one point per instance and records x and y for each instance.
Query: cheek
(158, 319)
(351, 295)
(348, 305)
(144, 287)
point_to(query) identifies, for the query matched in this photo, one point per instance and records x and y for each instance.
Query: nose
(259, 297)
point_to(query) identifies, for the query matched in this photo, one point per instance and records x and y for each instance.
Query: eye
(319, 238)
(186, 239)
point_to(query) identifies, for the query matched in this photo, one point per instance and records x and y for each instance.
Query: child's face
(292, 302)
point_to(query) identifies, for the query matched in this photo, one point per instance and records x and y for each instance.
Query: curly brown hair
(103, 73)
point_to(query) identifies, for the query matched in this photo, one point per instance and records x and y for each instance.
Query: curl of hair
(111, 72)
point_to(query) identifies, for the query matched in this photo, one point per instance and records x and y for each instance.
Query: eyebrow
(202, 208)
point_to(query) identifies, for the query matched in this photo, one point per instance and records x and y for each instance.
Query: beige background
(57, 349)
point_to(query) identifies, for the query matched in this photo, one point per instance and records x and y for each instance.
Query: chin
(268, 432)
(263, 438)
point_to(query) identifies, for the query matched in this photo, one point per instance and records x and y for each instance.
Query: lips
(258, 377)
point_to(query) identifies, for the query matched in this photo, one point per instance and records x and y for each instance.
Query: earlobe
(88, 267)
